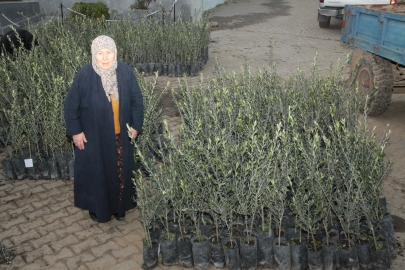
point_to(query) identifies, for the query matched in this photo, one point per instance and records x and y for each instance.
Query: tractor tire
(324, 21)
(375, 72)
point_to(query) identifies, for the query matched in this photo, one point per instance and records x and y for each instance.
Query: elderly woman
(103, 98)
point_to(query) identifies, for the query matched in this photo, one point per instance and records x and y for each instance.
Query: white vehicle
(335, 8)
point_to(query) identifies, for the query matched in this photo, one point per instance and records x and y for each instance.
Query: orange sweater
(115, 107)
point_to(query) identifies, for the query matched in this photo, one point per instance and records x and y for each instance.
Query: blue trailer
(380, 31)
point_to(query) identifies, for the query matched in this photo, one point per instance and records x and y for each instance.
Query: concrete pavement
(40, 228)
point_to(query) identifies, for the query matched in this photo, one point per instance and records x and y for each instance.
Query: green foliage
(141, 4)
(246, 142)
(33, 85)
(95, 10)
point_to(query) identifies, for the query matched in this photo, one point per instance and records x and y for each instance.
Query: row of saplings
(281, 248)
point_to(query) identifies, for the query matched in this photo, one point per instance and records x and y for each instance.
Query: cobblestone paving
(41, 229)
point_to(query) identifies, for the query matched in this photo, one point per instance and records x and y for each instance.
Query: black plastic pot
(383, 237)
(145, 69)
(172, 71)
(333, 234)
(33, 172)
(43, 169)
(282, 254)
(315, 259)
(320, 234)
(150, 255)
(201, 253)
(389, 226)
(19, 166)
(381, 259)
(185, 250)
(169, 249)
(330, 255)
(201, 64)
(236, 234)
(265, 252)
(155, 231)
(165, 70)
(138, 67)
(348, 257)
(261, 234)
(291, 233)
(197, 68)
(53, 169)
(184, 70)
(71, 165)
(206, 54)
(8, 169)
(173, 223)
(383, 203)
(151, 67)
(193, 69)
(248, 253)
(217, 255)
(205, 227)
(363, 253)
(63, 165)
(179, 71)
(231, 251)
(159, 69)
(299, 255)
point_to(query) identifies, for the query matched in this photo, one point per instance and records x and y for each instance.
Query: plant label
(28, 163)
(159, 250)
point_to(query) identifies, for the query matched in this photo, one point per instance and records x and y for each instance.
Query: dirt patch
(399, 223)
(11, 254)
(273, 8)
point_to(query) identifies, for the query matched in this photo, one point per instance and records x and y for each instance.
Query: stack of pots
(243, 248)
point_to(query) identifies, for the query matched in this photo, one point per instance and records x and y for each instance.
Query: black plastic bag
(8, 169)
(348, 256)
(19, 166)
(179, 71)
(155, 231)
(150, 255)
(217, 255)
(206, 226)
(168, 247)
(71, 165)
(172, 70)
(330, 255)
(381, 259)
(33, 172)
(201, 252)
(53, 169)
(165, 70)
(151, 67)
(184, 70)
(63, 165)
(265, 252)
(299, 254)
(389, 226)
(282, 254)
(193, 72)
(159, 69)
(248, 253)
(231, 251)
(185, 250)
(315, 259)
(145, 69)
(43, 169)
(363, 253)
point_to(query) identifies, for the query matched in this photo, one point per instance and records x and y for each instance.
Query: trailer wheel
(324, 21)
(375, 72)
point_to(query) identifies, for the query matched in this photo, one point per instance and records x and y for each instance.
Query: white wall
(189, 8)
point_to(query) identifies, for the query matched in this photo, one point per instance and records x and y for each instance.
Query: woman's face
(105, 58)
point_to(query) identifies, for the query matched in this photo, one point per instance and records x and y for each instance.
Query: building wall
(189, 8)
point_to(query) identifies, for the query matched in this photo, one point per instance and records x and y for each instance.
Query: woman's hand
(79, 140)
(134, 133)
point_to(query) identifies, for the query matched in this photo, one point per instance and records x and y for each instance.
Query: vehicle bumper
(331, 11)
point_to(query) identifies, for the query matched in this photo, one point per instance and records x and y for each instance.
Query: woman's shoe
(119, 218)
(93, 216)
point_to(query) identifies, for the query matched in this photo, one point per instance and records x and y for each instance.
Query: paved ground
(39, 226)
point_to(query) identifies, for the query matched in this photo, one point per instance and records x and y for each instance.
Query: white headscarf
(108, 76)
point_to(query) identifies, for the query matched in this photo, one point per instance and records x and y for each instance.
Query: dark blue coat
(87, 109)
